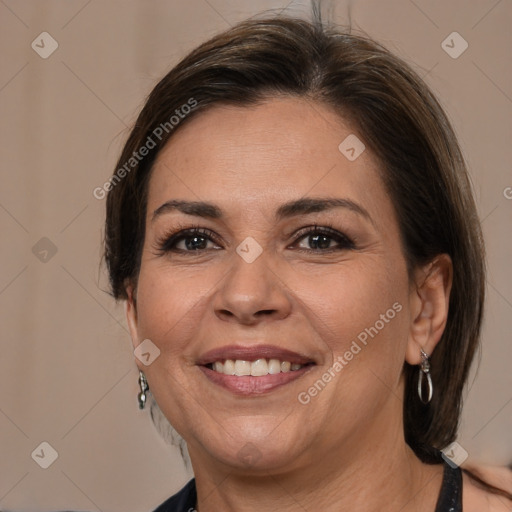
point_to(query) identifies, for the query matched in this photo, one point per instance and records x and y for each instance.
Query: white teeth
(257, 368)
(242, 368)
(285, 366)
(274, 366)
(229, 367)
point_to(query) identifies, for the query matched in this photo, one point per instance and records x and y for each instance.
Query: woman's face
(311, 297)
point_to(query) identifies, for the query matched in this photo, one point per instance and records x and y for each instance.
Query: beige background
(66, 366)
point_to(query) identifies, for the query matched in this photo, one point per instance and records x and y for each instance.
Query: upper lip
(252, 353)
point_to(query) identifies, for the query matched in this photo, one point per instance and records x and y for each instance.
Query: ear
(131, 315)
(429, 299)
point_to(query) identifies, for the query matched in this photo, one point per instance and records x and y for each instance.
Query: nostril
(265, 312)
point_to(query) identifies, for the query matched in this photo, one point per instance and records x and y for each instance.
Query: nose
(252, 293)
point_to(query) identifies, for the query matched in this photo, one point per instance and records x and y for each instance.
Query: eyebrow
(302, 206)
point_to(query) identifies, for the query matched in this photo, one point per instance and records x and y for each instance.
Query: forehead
(249, 158)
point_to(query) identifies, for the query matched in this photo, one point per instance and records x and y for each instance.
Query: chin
(256, 453)
(259, 458)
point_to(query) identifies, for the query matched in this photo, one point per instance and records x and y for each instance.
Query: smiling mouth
(253, 370)
(257, 368)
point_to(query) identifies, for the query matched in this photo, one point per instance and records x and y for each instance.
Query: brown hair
(398, 118)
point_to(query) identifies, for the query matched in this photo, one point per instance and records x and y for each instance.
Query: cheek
(170, 305)
(362, 317)
(361, 313)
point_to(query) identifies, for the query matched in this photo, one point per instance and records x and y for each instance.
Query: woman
(292, 228)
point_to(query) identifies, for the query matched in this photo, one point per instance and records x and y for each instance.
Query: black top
(450, 496)
(182, 501)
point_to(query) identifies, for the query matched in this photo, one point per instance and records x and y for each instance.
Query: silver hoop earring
(425, 372)
(141, 397)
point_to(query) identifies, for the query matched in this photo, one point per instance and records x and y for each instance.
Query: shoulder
(478, 498)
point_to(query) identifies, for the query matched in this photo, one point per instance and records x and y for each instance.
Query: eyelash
(167, 242)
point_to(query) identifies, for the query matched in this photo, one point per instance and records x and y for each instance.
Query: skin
(345, 449)
(476, 497)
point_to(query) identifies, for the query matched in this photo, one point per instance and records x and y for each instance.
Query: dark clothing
(450, 496)
(182, 501)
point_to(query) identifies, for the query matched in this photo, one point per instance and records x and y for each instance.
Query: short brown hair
(399, 119)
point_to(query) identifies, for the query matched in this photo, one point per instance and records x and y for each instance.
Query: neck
(372, 468)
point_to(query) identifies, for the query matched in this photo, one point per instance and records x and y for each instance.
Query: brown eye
(188, 240)
(323, 239)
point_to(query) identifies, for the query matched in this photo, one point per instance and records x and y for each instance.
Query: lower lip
(247, 385)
